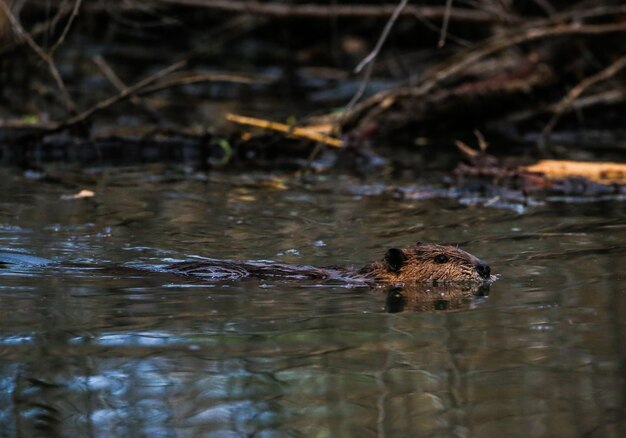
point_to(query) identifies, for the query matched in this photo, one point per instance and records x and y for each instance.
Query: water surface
(90, 353)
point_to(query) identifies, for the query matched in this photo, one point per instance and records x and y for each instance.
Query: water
(87, 353)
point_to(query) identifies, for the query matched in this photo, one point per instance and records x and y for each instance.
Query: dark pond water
(87, 353)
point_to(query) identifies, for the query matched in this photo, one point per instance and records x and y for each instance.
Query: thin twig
(124, 94)
(383, 37)
(335, 10)
(45, 56)
(581, 14)
(41, 28)
(444, 26)
(369, 59)
(501, 42)
(67, 27)
(607, 97)
(62, 10)
(437, 29)
(195, 78)
(144, 86)
(19, 30)
(482, 143)
(108, 72)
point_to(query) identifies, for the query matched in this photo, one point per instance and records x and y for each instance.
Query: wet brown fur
(429, 262)
(422, 262)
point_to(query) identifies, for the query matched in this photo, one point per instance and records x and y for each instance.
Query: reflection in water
(86, 353)
(433, 297)
(484, 373)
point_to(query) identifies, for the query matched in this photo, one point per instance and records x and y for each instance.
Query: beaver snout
(483, 269)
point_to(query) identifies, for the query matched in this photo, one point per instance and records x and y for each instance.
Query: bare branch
(444, 26)
(41, 28)
(195, 78)
(335, 10)
(108, 72)
(469, 57)
(123, 94)
(20, 32)
(45, 56)
(67, 27)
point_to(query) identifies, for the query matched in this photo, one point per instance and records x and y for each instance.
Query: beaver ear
(394, 258)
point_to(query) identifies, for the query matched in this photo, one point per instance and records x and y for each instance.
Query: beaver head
(428, 262)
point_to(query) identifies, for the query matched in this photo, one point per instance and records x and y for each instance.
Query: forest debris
(80, 195)
(492, 95)
(469, 152)
(578, 179)
(274, 184)
(293, 131)
(506, 73)
(542, 174)
(439, 85)
(158, 81)
(601, 172)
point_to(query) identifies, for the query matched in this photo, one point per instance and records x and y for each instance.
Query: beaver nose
(483, 269)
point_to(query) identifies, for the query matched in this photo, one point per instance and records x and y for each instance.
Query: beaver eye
(441, 258)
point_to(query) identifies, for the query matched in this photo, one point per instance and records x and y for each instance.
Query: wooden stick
(602, 172)
(281, 127)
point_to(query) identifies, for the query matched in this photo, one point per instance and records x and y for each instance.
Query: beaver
(422, 262)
